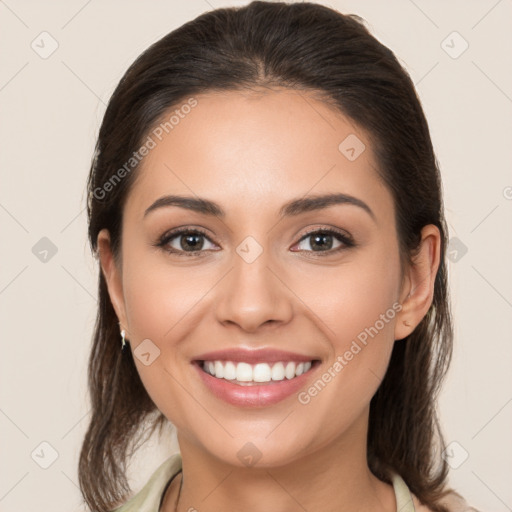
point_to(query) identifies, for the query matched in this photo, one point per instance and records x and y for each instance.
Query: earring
(123, 342)
(407, 323)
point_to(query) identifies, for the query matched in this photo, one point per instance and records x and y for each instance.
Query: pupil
(191, 241)
(321, 238)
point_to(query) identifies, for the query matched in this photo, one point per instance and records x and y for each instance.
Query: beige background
(50, 113)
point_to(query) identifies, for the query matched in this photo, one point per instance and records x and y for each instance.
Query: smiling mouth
(246, 374)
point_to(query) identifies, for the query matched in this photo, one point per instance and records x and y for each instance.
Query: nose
(253, 294)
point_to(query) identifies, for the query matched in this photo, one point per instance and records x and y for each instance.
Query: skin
(251, 152)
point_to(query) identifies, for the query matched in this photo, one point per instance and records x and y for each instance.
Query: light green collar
(403, 495)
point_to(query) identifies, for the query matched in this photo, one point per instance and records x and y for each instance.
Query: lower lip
(257, 395)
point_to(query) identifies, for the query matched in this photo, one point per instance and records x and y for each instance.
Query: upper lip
(264, 355)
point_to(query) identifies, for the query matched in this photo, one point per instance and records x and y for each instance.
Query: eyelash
(346, 240)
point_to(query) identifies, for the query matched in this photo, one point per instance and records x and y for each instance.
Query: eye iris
(318, 238)
(192, 241)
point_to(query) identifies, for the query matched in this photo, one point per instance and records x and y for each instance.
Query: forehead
(251, 149)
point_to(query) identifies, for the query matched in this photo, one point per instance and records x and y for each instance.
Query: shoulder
(148, 498)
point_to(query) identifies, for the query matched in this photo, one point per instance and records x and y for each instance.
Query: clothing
(150, 497)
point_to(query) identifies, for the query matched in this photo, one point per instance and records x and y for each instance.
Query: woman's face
(275, 271)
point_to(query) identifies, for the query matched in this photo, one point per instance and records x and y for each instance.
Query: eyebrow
(289, 209)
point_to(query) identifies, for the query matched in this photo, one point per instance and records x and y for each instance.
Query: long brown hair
(302, 46)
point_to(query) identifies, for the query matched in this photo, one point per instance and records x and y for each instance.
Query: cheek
(357, 295)
(160, 297)
(164, 304)
(357, 304)
(360, 309)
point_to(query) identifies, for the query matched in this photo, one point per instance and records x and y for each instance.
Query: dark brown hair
(301, 46)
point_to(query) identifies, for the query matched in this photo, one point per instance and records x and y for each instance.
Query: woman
(266, 208)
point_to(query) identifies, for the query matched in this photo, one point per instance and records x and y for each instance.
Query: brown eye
(181, 242)
(324, 241)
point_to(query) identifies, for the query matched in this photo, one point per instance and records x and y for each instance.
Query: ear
(417, 289)
(113, 276)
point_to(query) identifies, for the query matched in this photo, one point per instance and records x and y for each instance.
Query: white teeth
(278, 371)
(229, 371)
(260, 372)
(243, 372)
(219, 369)
(289, 371)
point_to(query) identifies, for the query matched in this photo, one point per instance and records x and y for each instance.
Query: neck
(334, 478)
